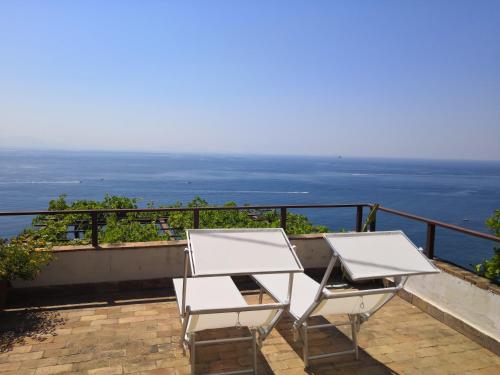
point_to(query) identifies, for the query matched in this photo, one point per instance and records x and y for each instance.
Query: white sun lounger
(210, 299)
(364, 256)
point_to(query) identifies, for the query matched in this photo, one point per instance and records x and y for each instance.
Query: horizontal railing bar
(437, 223)
(86, 221)
(441, 224)
(166, 209)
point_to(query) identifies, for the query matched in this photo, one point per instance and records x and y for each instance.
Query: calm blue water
(445, 190)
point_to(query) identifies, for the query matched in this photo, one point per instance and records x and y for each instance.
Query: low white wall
(477, 307)
(108, 265)
(143, 261)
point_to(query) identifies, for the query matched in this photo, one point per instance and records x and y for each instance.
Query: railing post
(283, 218)
(431, 235)
(95, 229)
(373, 223)
(196, 218)
(359, 218)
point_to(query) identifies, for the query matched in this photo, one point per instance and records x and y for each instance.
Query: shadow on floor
(18, 326)
(331, 339)
(224, 357)
(89, 300)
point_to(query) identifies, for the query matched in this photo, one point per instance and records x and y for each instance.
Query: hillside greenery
(143, 226)
(490, 268)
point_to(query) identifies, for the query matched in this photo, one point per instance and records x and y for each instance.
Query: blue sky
(358, 78)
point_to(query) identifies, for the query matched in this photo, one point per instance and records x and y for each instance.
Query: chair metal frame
(257, 335)
(301, 327)
(355, 320)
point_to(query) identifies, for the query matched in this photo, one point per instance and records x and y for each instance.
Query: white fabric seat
(305, 289)
(207, 293)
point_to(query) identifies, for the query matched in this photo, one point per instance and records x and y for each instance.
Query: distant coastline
(238, 155)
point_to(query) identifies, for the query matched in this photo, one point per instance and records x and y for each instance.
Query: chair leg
(254, 344)
(295, 331)
(354, 330)
(305, 348)
(193, 352)
(261, 295)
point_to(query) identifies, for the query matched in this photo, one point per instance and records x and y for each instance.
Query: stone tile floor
(142, 337)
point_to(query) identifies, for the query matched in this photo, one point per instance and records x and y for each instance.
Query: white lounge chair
(210, 299)
(375, 255)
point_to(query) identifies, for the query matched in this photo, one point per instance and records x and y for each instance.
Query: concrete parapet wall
(142, 261)
(459, 303)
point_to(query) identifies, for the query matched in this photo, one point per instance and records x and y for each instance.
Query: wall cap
(461, 273)
(119, 246)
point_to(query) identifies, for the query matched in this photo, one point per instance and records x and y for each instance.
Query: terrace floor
(122, 334)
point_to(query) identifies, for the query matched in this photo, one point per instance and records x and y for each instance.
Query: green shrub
(129, 230)
(23, 257)
(490, 268)
(296, 224)
(116, 228)
(125, 227)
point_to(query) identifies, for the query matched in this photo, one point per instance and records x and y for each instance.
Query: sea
(464, 193)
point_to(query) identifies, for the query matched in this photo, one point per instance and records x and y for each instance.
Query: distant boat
(465, 219)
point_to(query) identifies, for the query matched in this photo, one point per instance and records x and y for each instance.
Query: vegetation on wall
(143, 226)
(490, 268)
(122, 227)
(22, 258)
(296, 224)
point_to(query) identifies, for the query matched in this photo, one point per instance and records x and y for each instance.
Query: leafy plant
(490, 268)
(114, 227)
(230, 218)
(129, 230)
(23, 257)
(142, 226)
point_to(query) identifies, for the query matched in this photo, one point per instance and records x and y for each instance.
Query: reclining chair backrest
(255, 319)
(260, 317)
(352, 305)
(199, 322)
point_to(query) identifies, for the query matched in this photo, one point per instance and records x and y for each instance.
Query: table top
(215, 252)
(373, 255)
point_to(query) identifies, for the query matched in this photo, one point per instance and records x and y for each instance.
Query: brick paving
(142, 337)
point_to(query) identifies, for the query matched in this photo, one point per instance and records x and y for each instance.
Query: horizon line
(215, 154)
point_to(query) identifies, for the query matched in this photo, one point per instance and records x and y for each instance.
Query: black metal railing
(283, 209)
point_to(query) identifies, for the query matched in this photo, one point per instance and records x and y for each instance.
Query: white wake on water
(41, 182)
